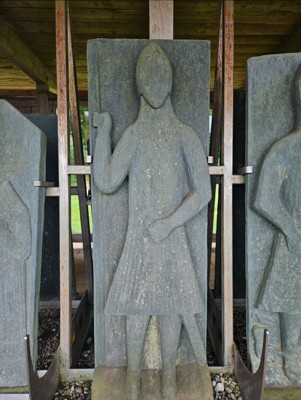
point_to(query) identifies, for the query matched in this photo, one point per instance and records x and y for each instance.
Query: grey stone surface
(23, 152)
(194, 383)
(273, 214)
(138, 235)
(50, 274)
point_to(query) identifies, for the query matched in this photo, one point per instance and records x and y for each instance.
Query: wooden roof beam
(293, 44)
(12, 47)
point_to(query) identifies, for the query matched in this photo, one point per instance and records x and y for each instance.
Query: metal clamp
(43, 184)
(89, 159)
(210, 159)
(45, 387)
(246, 170)
(251, 384)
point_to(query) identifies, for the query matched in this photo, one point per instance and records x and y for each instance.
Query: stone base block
(282, 394)
(194, 383)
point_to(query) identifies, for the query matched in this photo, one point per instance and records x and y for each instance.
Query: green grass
(75, 217)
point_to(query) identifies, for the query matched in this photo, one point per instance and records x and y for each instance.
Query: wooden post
(227, 160)
(63, 143)
(214, 322)
(216, 130)
(42, 97)
(161, 19)
(79, 160)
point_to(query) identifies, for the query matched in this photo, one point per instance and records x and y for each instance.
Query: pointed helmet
(154, 75)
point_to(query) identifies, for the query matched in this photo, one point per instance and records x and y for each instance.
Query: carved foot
(169, 385)
(291, 368)
(132, 385)
(258, 332)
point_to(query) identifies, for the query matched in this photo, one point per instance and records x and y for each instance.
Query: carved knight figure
(278, 200)
(15, 233)
(168, 185)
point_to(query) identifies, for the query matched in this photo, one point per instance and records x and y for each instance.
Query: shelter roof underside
(27, 34)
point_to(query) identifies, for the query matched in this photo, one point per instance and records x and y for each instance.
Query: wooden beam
(63, 141)
(42, 98)
(215, 142)
(293, 44)
(79, 160)
(227, 200)
(13, 48)
(161, 19)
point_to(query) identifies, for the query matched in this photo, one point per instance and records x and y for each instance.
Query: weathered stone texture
(275, 166)
(50, 275)
(112, 89)
(22, 161)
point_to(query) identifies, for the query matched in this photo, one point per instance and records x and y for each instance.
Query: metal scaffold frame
(161, 27)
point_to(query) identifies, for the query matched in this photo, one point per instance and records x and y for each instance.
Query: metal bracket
(251, 384)
(45, 387)
(210, 159)
(246, 170)
(89, 159)
(43, 184)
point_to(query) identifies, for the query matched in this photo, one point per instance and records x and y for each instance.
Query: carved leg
(266, 320)
(170, 329)
(290, 331)
(136, 327)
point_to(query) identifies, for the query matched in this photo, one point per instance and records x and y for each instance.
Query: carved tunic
(160, 155)
(280, 185)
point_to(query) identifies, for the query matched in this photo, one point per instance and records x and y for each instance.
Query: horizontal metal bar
(238, 179)
(43, 184)
(79, 169)
(14, 396)
(52, 191)
(70, 375)
(87, 374)
(216, 170)
(55, 304)
(86, 169)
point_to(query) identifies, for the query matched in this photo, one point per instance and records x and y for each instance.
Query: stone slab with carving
(149, 232)
(22, 161)
(273, 208)
(50, 273)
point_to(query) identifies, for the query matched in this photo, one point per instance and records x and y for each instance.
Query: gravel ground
(224, 385)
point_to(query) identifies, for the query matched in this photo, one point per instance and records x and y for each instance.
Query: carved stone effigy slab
(22, 161)
(149, 232)
(50, 273)
(273, 209)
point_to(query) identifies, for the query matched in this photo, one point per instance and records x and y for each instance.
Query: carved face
(154, 75)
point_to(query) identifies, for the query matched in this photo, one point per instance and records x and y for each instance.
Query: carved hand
(103, 122)
(294, 243)
(159, 230)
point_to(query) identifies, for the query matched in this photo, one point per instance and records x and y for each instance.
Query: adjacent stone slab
(193, 383)
(270, 117)
(112, 89)
(22, 161)
(50, 274)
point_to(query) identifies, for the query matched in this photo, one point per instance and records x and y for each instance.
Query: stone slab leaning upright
(50, 273)
(149, 233)
(273, 209)
(22, 161)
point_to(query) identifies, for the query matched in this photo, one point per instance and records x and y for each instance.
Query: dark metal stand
(45, 387)
(251, 384)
